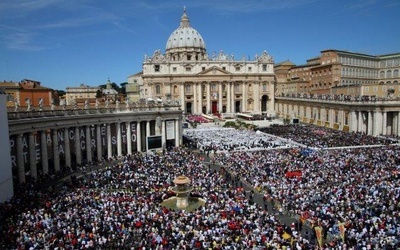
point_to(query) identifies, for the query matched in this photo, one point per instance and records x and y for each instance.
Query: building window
(249, 68)
(388, 74)
(188, 69)
(10, 98)
(264, 67)
(158, 89)
(174, 69)
(382, 74)
(237, 68)
(264, 87)
(157, 68)
(203, 68)
(396, 73)
(175, 90)
(224, 68)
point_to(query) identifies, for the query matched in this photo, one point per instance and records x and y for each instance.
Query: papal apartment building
(343, 90)
(204, 83)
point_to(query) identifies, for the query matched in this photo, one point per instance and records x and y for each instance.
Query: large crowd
(119, 206)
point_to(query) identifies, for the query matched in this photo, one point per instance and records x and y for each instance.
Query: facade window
(188, 69)
(396, 73)
(224, 68)
(157, 68)
(158, 89)
(175, 90)
(264, 67)
(249, 69)
(214, 87)
(203, 68)
(174, 69)
(237, 89)
(237, 68)
(382, 74)
(388, 74)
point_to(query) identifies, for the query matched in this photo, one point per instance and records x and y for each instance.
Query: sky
(65, 43)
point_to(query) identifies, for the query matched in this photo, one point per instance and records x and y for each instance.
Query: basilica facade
(207, 84)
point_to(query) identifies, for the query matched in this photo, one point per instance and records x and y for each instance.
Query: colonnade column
(98, 142)
(109, 143)
(78, 149)
(88, 144)
(398, 124)
(56, 154)
(353, 121)
(43, 149)
(32, 155)
(360, 121)
(67, 148)
(20, 159)
(232, 91)
(369, 128)
(119, 139)
(384, 123)
(256, 97)
(220, 96)
(139, 137)
(377, 123)
(129, 138)
(177, 132)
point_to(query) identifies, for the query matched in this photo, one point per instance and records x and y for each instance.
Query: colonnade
(371, 120)
(40, 152)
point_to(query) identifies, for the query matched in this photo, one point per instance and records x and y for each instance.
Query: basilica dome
(185, 38)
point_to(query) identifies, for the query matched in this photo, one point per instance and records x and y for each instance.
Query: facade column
(369, 126)
(119, 139)
(98, 142)
(271, 97)
(109, 143)
(67, 148)
(56, 153)
(194, 106)
(43, 149)
(256, 97)
(88, 145)
(78, 150)
(244, 104)
(162, 131)
(182, 95)
(139, 137)
(384, 123)
(208, 86)
(220, 96)
(229, 97)
(32, 155)
(129, 138)
(20, 159)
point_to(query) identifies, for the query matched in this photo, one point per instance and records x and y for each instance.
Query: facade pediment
(214, 71)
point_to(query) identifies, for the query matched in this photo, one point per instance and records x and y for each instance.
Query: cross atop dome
(185, 19)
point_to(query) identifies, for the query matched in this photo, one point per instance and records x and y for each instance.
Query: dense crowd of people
(119, 206)
(321, 137)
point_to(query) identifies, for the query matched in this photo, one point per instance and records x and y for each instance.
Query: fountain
(182, 200)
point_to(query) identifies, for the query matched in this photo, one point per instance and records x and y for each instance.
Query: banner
(342, 230)
(318, 233)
